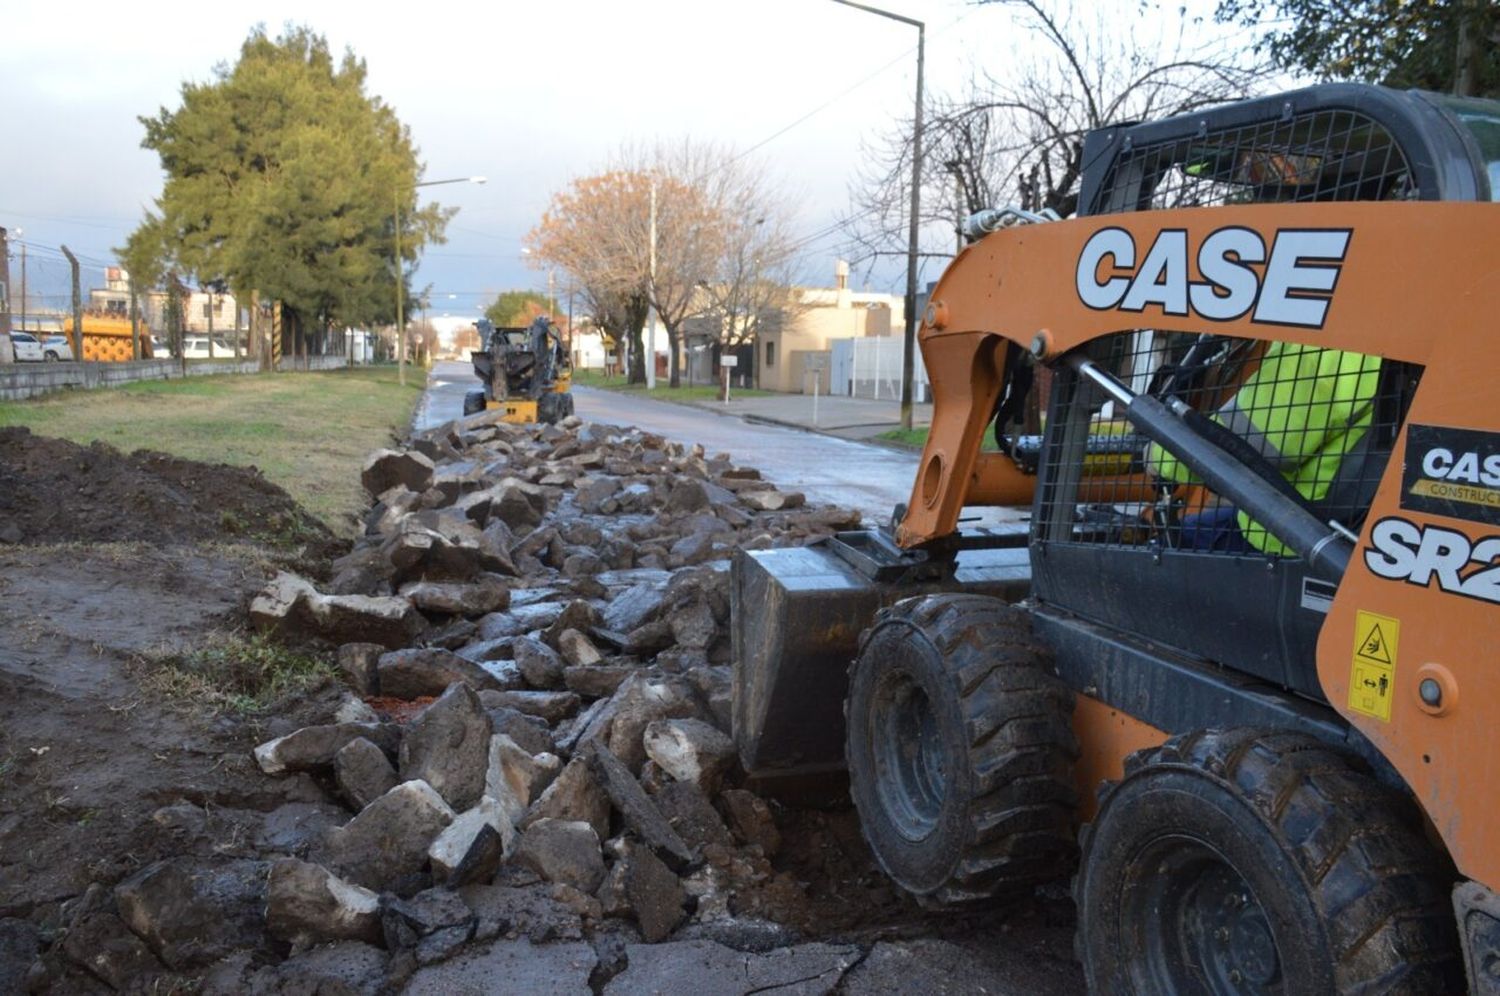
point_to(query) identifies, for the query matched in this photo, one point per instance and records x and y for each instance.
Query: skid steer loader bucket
(797, 618)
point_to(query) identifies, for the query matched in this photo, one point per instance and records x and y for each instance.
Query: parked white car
(27, 347)
(201, 347)
(57, 347)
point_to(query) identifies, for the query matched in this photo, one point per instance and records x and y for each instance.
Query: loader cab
(1121, 546)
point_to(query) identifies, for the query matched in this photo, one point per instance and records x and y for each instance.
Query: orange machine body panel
(1417, 282)
(1106, 737)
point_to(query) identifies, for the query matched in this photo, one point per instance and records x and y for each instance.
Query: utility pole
(77, 306)
(23, 287)
(908, 346)
(909, 343)
(651, 301)
(5, 293)
(400, 279)
(135, 321)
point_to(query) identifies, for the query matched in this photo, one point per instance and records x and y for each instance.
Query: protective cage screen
(1325, 155)
(1320, 423)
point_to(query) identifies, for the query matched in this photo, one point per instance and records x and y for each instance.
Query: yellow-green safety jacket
(1303, 409)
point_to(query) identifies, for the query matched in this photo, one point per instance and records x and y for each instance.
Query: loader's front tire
(960, 749)
(1245, 861)
(473, 403)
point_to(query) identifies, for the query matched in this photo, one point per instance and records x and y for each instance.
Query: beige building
(202, 308)
(827, 313)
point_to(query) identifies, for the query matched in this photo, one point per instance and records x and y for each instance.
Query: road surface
(871, 479)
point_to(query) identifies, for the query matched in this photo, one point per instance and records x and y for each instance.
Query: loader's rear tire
(1245, 861)
(473, 402)
(960, 749)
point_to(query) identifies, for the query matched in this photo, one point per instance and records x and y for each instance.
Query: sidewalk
(852, 418)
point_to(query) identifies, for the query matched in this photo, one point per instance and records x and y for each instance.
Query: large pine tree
(283, 176)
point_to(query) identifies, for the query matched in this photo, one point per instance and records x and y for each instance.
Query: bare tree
(592, 230)
(1016, 137)
(684, 229)
(751, 290)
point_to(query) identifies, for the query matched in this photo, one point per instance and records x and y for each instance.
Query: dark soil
(101, 774)
(55, 491)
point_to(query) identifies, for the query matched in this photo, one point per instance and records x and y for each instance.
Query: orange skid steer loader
(1238, 664)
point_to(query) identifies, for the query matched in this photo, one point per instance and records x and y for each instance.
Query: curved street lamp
(401, 272)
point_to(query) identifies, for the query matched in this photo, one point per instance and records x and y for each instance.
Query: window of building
(770, 354)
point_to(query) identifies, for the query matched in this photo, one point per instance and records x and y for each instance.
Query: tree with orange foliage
(600, 231)
(596, 231)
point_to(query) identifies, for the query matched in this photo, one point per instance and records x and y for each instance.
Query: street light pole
(908, 346)
(401, 273)
(651, 302)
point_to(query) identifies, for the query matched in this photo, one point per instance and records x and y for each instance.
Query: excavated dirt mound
(55, 491)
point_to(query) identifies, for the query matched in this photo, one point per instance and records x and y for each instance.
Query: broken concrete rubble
(363, 772)
(414, 673)
(357, 663)
(513, 777)
(385, 846)
(565, 851)
(386, 469)
(292, 606)
(637, 809)
(306, 905)
(446, 746)
(471, 848)
(191, 912)
(574, 794)
(690, 750)
(568, 594)
(642, 886)
(458, 598)
(315, 747)
(539, 663)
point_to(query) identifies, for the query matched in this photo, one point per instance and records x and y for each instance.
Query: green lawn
(916, 438)
(698, 392)
(308, 432)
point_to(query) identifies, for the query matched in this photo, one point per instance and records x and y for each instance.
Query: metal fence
(43, 287)
(870, 367)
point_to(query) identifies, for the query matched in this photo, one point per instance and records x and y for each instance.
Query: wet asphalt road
(869, 478)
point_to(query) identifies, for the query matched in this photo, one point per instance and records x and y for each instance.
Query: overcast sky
(529, 94)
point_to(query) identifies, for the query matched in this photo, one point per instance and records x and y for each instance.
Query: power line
(838, 96)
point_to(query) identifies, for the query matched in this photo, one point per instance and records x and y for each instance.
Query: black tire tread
(1382, 887)
(1016, 712)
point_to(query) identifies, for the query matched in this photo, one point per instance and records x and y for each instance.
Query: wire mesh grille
(1324, 155)
(1318, 424)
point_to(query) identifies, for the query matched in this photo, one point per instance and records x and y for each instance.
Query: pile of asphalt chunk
(535, 625)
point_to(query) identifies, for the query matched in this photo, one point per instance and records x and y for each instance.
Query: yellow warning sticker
(1373, 677)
